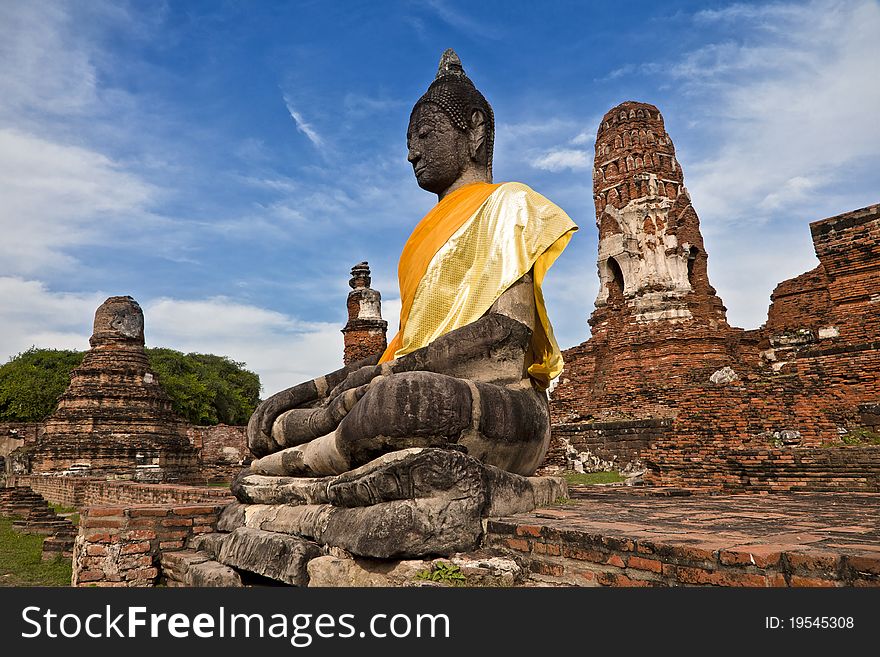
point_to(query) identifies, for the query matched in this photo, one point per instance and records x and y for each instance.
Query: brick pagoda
(114, 420)
(364, 334)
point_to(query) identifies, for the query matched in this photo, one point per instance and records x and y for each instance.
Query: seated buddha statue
(475, 353)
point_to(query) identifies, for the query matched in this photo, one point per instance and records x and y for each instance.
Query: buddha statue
(475, 353)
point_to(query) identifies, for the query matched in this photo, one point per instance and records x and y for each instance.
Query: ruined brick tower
(652, 261)
(657, 321)
(114, 417)
(665, 384)
(364, 333)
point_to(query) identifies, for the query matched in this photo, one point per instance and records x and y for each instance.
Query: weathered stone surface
(509, 494)
(400, 475)
(408, 503)
(724, 376)
(193, 568)
(231, 518)
(278, 556)
(210, 544)
(475, 570)
(399, 529)
(404, 474)
(333, 571)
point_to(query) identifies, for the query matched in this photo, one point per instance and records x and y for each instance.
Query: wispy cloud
(462, 21)
(765, 14)
(584, 138)
(57, 196)
(621, 71)
(786, 116)
(567, 158)
(360, 105)
(35, 316)
(42, 65)
(302, 126)
(282, 349)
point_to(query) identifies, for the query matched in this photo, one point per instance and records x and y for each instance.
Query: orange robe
(466, 252)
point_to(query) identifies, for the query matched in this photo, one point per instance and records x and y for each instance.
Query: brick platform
(667, 537)
(80, 491)
(121, 546)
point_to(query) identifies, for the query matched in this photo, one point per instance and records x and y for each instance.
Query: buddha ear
(477, 133)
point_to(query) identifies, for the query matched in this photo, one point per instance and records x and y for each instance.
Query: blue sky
(226, 163)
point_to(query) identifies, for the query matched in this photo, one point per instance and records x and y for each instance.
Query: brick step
(46, 529)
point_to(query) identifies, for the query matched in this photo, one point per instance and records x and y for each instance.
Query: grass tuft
(592, 478)
(20, 562)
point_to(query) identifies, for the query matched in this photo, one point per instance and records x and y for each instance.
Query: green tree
(32, 382)
(206, 389)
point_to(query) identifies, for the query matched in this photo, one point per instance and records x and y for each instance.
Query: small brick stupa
(364, 334)
(114, 420)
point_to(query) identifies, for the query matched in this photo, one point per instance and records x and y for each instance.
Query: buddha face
(438, 150)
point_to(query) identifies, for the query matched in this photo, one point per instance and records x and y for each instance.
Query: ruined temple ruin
(114, 420)
(364, 333)
(665, 383)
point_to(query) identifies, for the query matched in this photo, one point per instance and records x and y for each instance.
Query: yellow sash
(469, 249)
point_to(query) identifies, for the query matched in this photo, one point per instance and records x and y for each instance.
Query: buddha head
(451, 130)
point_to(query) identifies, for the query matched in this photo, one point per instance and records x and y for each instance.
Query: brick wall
(801, 302)
(87, 491)
(811, 374)
(361, 344)
(119, 546)
(601, 446)
(223, 450)
(591, 559)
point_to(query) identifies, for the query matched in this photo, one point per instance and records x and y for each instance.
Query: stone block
(406, 504)
(194, 568)
(277, 556)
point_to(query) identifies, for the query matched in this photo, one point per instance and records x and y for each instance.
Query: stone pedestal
(395, 514)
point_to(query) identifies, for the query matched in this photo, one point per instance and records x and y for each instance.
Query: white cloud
(565, 158)
(283, 350)
(584, 138)
(302, 126)
(56, 196)
(791, 191)
(35, 316)
(58, 190)
(42, 66)
(789, 110)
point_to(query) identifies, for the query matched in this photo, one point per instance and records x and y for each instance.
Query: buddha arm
(259, 428)
(491, 350)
